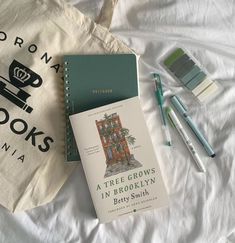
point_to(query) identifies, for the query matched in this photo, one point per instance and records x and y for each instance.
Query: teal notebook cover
(95, 80)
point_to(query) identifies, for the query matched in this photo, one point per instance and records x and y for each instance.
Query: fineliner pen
(180, 107)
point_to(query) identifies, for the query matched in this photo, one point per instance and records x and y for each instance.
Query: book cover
(95, 80)
(118, 158)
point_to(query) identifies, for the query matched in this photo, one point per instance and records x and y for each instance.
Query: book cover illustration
(118, 159)
(115, 140)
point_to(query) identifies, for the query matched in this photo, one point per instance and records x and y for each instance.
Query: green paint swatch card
(96, 80)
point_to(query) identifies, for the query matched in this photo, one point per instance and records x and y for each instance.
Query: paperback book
(119, 161)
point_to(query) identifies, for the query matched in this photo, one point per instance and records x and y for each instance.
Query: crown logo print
(21, 75)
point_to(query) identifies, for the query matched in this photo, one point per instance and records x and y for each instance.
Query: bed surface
(202, 206)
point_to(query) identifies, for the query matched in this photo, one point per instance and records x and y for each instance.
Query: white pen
(175, 121)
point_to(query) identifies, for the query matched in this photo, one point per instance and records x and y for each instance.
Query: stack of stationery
(108, 126)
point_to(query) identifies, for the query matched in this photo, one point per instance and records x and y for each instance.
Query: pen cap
(178, 104)
(158, 88)
(158, 82)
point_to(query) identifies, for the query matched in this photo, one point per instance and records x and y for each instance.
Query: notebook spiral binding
(67, 109)
(71, 151)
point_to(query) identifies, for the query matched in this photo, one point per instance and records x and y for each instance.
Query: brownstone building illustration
(113, 141)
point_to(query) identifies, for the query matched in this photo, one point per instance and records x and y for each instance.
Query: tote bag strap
(106, 13)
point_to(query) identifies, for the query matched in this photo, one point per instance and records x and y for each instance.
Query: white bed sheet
(202, 206)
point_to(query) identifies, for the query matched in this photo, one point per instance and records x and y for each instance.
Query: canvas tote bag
(34, 35)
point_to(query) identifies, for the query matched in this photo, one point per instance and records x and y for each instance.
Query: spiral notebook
(96, 80)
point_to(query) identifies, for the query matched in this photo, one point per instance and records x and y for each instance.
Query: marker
(176, 123)
(180, 107)
(159, 97)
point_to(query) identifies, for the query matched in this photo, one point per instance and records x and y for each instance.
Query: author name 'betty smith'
(126, 199)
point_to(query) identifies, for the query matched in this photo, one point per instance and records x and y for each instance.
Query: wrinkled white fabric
(202, 206)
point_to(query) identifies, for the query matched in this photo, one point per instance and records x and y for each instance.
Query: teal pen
(180, 107)
(159, 97)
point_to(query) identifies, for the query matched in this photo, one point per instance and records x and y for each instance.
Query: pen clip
(158, 83)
